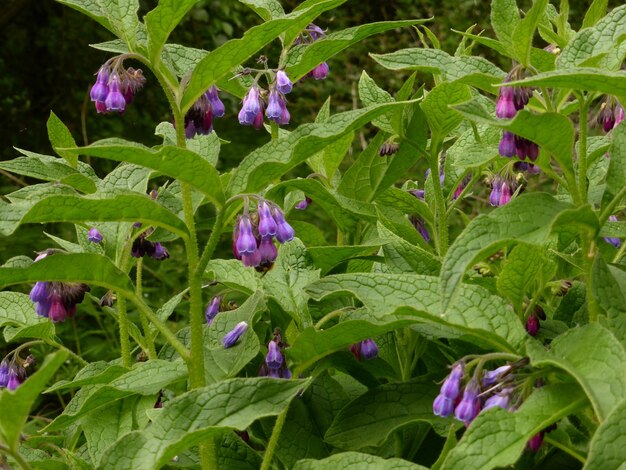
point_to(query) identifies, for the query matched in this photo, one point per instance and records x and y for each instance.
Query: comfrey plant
(472, 315)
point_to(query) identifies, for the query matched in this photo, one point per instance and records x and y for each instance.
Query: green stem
(610, 208)
(16, 456)
(333, 314)
(568, 450)
(588, 247)
(271, 445)
(122, 319)
(275, 129)
(54, 344)
(209, 249)
(620, 253)
(440, 205)
(145, 325)
(582, 149)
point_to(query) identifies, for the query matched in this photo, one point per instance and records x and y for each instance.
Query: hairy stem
(145, 325)
(271, 445)
(122, 319)
(582, 149)
(440, 205)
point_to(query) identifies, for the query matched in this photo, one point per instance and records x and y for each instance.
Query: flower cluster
(365, 350)
(311, 34)
(115, 86)
(610, 115)
(13, 370)
(56, 300)
(199, 119)
(275, 364)
(510, 101)
(253, 105)
(253, 236)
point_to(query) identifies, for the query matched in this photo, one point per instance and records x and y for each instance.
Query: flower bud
(213, 309)
(274, 358)
(94, 235)
(231, 338)
(283, 84)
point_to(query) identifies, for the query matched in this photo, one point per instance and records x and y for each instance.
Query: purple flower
(443, 406)
(231, 338)
(159, 252)
(283, 84)
(267, 225)
(369, 349)
(94, 235)
(251, 260)
(100, 89)
(284, 231)
(115, 101)
(14, 379)
(267, 251)
(534, 443)
(213, 309)
(216, 103)
(4, 373)
(320, 72)
(505, 194)
(505, 108)
(532, 325)
(274, 110)
(420, 226)
(469, 406)
(388, 148)
(257, 123)
(451, 387)
(302, 205)
(251, 106)
(507, 147)
(619, 115)
(490, 377)
(499, 399)
(245, 241)
(274, 358)
(57, 300)
(616, 242)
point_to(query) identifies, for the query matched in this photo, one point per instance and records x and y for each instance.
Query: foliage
(328, 341)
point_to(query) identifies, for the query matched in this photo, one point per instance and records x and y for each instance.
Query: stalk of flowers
(275, 364)
(115, 86)
(253, 104)
(199, 119)
(56, 300)
(504, 186)
(254, 234)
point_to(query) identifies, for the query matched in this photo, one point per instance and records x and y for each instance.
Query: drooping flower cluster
(56, 300)
(616, 242)
(510, 101)
(115, 86)
(13, 370)
(610, 115)
(365, 350)
(275, 364)
(199, 119)
(253, 105)
(311, 34)
(253, 235)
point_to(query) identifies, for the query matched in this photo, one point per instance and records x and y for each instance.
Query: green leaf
(372, 94)
(145, 378)
(553, 132)
(608, 445)
(275, 158)
(523, 267)
(15, 405)
(60, 137)
(405, 202)
(266, 9)
(123, 17)
(441, 118)
(605, 37)
(47, 168)
(372, 417)
(579, 78)
(303, 58)
(593, 356)
(404, 257)
(78, 267)
(610, 296)
(207, 146)
(486, 319)
(161, 21)
(199, 414)
(223, 60)
(327, 257)
(98, 207)
(103, 429)
(356, 461)
(99, 372)
(285, 283)
(19, 320)
(475, 71)
(496, 438)
(312, 345)
(595, 13)
(504, 20)
(232, 273)
(182, 164)
(529, 218)
(522, 38)
(467, 153)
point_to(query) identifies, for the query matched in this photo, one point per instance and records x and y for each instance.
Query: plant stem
(122, 319)
(610, 208)
(582, 149)
(271, 445)
(589, 254)
(145, 325)
(209, 249)
(568, 450)
(440, 205)
(16, 456)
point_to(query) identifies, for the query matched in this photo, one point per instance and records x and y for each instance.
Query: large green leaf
(198, 414)
(61, 137)
(529, 218)
(275, 158)
(356, 461)
(610, 296)
(223, 60)
(579, 78)
(595, 13)
(93, 373)
(15, 405)
(608, 445)
(77, 267)
(327, 257)
(484, 318)
(504, 20)
(305, 57)
(593, 356)
(19, 320)
(372, 417)
(496, 438)
(266, 9)
(522, 38)
(161, 21)
(442, 119)
(232, 273)
(182, 164)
